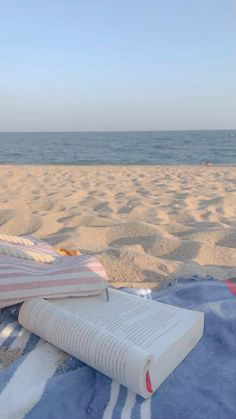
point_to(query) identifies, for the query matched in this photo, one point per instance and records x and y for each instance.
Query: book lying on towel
(135, 341)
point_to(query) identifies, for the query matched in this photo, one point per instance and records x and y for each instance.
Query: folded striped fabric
(31, 268)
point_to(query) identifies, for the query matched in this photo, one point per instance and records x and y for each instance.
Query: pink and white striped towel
(22, 279)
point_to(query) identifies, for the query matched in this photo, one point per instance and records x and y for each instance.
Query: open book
(135, 341)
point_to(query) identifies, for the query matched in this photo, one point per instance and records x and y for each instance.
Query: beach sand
(146, 224)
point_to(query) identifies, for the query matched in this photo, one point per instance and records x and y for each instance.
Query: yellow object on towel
(68, 252)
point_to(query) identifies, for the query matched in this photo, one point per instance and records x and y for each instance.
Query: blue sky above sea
(127, 65)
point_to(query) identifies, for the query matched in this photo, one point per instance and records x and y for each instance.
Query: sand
(146, 224)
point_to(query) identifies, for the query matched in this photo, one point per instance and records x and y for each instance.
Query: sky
(101, 65)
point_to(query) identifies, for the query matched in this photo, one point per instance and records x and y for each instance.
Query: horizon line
(114, 131)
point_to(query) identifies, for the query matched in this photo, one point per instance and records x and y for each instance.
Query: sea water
(150, 147)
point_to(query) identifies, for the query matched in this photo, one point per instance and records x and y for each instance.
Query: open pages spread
(134, 341)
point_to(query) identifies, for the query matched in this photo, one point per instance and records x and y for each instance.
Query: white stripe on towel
(6, 332)
(129, 404)
(145, 409)
(26, 386)
(114, 394)
(21, 340)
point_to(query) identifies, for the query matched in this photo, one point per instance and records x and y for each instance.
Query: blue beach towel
(43, 382)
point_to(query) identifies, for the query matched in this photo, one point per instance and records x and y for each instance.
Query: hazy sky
(68, 65)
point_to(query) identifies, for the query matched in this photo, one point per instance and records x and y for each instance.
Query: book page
(96, 346)
(145, 323)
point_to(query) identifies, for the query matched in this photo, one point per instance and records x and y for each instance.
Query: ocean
(150, 147)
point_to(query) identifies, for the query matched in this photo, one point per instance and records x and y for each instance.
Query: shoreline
(212, 165)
